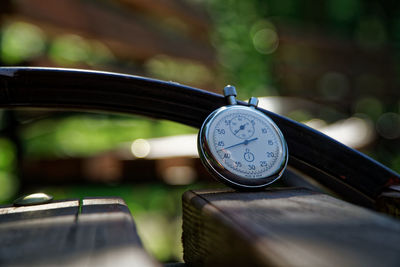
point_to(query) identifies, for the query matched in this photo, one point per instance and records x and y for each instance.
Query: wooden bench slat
(285, 227)
(100, 232)
(28, 235)
(56, 208)
(107, 235)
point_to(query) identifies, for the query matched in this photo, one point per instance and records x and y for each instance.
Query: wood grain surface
(284, 227)
(96, 232)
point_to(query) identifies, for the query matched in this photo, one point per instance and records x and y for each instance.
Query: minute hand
(245, 142)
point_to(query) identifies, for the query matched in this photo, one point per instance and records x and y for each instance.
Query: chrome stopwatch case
(241, 146)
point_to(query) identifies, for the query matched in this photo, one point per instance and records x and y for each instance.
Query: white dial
(246, 143)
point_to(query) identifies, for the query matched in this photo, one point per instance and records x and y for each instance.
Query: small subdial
(248, 156)
(242, 127)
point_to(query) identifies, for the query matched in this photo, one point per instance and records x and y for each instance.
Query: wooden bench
(94, 232)
(284, 227)
(276, 227)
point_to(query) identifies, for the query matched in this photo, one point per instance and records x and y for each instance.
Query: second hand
(245, 142)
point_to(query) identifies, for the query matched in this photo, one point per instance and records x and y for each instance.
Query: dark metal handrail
(346, 171)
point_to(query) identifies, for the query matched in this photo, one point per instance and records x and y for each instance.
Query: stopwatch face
(243, 146)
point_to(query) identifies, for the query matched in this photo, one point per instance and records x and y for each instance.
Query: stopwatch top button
(253, 101)
(230, 90)
(230, 94)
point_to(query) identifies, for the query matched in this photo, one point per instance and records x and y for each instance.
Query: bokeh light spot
(140, 148)
(388, 125)
(371, 33)
(333, 85)
(266, 41)
(69, 49)
(370, 106)
(21, 41)
(100, 54)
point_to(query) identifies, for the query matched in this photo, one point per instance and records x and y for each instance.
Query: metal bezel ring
(214, 166)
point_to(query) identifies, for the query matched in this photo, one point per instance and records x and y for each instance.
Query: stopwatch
(241, 146)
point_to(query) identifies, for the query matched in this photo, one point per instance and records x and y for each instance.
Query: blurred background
(331, 64)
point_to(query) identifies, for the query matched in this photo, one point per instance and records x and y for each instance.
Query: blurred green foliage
(243, 40)
(21, 41)
(85, 135)
(183, 71)
(8, 181)
(70, 49)
(343, 11)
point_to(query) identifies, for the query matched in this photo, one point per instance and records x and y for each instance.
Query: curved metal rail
(351, 174)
